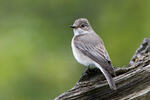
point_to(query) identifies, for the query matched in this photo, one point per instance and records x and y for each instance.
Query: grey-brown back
(91, 45)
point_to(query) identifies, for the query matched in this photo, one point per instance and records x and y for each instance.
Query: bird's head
(81, 26)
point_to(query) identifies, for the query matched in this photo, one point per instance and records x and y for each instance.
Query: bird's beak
(71, 26)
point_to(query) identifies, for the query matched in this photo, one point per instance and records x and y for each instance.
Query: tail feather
(108, 77)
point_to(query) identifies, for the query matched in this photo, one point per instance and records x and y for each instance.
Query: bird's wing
(93, 47)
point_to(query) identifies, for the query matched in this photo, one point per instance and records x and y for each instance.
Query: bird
(89, 50)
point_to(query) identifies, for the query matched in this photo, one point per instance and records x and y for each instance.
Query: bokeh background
(36, 61)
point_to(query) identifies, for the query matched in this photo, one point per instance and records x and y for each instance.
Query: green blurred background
(36, 61)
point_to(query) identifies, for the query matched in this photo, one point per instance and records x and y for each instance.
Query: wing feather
(94, 49)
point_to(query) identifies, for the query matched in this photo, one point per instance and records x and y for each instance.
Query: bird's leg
(89, 72)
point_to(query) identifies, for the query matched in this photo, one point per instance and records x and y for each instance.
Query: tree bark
(132, 81)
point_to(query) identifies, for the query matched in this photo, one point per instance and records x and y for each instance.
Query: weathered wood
(133, 81)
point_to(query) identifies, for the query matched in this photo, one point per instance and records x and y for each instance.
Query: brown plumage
(94, 50)
(88, 49)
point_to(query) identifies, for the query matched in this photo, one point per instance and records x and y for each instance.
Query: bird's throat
(79, 31)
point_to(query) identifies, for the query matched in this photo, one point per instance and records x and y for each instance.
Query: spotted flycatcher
(88, 49)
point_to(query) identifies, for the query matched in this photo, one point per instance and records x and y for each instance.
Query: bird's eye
(82, 25)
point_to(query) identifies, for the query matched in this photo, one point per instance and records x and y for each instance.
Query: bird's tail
(108, 77)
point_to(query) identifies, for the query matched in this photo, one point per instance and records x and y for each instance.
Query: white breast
(80, 57)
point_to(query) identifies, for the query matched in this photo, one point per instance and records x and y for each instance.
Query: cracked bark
(132, 81)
